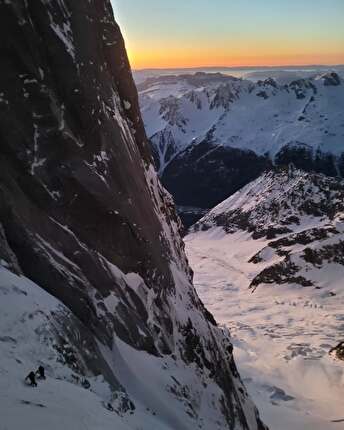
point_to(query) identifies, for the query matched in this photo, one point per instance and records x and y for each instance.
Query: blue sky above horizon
(191, 33)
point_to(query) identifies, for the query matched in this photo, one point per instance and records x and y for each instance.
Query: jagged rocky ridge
(211, 134)
(338, 351)
(83, 216)
(294, 221)
(299, 219)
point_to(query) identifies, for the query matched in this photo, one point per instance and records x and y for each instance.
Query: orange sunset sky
(200, 33)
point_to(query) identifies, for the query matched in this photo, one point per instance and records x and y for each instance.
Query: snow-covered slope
(33, 334)
(85, 218)
(179, 110)
(211, 133)
(37, 329)
(301, 215)
(268, 263)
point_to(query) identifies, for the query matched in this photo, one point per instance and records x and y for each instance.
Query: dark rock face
(64, 133)
(338, 351)
(81, 205)
(331, 79)
(281, 273)
(206, 174)
(301, 86)
(303, 157)
(189, 215)
(192, 182)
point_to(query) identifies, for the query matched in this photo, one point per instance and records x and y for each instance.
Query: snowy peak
(233, 129)
(299, 219)
(185, 108)
(245, 109)
(279, 200)
(331, 79)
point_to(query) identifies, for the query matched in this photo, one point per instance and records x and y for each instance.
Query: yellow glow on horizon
(160, 60)
(221, 56)
(204, 33)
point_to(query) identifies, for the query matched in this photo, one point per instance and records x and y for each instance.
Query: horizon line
(290, 66)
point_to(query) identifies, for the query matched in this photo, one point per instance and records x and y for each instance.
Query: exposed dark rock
(7, 257)
(223, 97)
(328, 253)
(283, 273)
(192, 183)
(303, 157)
(331, 79)
(269, 82)
(338, 351)
(206, 174)
(300, 85)
(262, 94)
(190, 215)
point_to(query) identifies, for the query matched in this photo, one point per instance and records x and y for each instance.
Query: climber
(85, 383)
(40, 372)
(31, 376)
(230, 348)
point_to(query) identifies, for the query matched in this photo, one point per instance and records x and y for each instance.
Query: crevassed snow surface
(282, 334)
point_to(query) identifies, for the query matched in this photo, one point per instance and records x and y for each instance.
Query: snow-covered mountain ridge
(300, 214)
(263, 116)
(211, 134)
(268, 262)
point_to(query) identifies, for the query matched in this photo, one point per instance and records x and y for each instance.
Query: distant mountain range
(242, 71)
(212, 133)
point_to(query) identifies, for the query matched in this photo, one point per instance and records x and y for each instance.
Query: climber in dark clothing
(230, 348)
(32, 378)
(40, 372)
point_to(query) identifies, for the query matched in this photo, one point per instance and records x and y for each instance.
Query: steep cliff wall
(83, 215)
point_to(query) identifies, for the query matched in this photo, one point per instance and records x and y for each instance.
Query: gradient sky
(192, 33)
